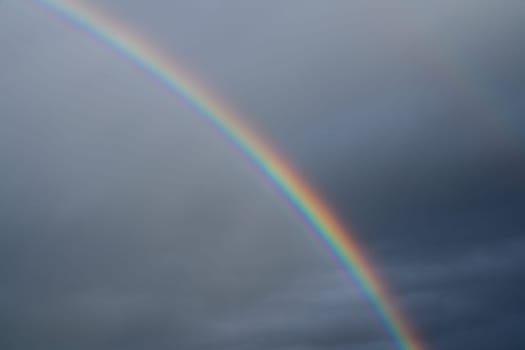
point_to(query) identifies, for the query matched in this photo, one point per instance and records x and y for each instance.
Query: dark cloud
(127, 223)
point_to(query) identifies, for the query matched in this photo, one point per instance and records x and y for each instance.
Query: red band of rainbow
(273, 167)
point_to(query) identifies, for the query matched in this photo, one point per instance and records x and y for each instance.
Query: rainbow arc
(309, 204)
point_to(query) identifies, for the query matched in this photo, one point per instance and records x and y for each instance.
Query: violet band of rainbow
(302, 197)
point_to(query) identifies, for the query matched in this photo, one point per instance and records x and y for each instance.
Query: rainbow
(291, 186)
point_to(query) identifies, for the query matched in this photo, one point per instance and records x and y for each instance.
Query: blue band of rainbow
(294, 189)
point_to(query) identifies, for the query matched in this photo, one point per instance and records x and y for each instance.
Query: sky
(128, 223)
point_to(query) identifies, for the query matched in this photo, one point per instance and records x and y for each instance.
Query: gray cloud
(127, 223)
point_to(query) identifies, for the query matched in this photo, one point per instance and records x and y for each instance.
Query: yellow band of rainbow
(294, 189)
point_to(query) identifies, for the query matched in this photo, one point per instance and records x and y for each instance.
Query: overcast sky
(127, 223)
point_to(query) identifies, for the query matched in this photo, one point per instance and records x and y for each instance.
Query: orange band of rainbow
(295, 190)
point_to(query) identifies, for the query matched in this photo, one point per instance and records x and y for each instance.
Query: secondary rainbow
(312, 208)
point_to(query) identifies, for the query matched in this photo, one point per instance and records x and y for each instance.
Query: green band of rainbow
(300, 195)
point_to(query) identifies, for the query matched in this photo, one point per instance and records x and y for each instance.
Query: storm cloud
(127, 222)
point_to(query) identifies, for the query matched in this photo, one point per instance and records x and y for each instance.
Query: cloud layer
(128, 224)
